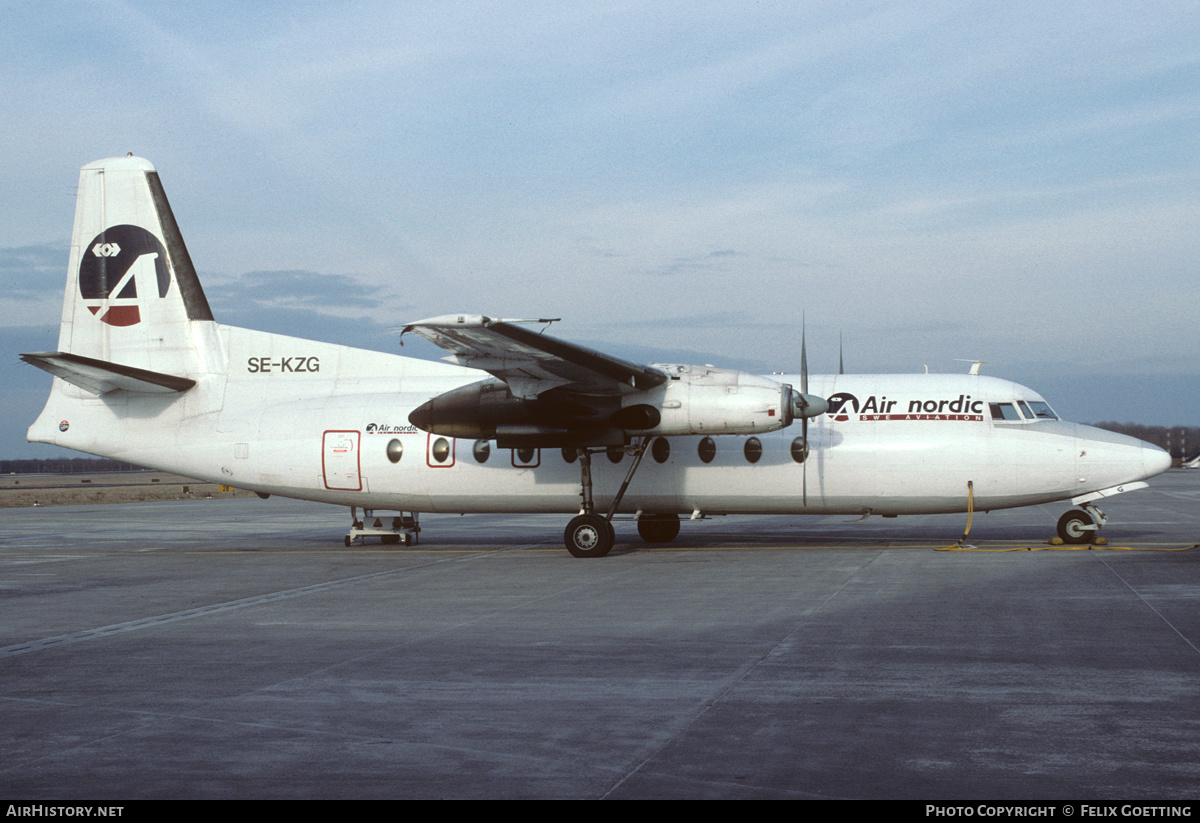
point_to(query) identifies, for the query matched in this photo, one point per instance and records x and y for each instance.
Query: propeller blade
(805, 405)
(804, 468)
(803, 358)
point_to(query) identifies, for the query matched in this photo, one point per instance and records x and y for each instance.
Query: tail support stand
(404, 528)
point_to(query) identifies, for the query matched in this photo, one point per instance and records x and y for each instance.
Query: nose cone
(1108, 459)
(1154, 460)
(422, 416)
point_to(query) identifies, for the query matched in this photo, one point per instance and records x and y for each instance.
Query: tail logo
(111, 266)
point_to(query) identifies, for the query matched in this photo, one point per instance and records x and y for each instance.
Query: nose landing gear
(1079, 526)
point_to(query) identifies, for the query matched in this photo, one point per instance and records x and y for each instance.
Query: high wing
(545, 392)
(532, 363)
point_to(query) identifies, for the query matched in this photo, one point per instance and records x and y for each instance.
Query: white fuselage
(281, 415)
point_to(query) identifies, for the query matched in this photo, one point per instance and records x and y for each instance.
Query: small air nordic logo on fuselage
(110, 268)
(841, 405)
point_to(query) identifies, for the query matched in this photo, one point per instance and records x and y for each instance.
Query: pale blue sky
(1014, 182)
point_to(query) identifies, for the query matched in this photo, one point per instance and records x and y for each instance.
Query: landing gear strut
(589, 534)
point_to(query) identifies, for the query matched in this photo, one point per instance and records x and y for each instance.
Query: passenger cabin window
(661, 450)
(753, 450)
(481, 450)
(440, 452)
(799, 450)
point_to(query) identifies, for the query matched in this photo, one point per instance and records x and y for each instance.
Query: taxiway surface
(235, 648)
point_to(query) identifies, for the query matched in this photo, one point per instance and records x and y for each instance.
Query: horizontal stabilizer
(101, 376)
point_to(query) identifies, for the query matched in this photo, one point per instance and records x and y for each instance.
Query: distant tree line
(66, 465)
(1180, 441)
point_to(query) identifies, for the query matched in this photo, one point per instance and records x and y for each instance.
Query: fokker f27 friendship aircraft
(143, 373)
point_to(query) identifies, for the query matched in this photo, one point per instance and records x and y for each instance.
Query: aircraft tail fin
(133, 302)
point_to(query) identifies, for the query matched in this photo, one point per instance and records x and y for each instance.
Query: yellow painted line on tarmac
(1075, 547)
(555, 549)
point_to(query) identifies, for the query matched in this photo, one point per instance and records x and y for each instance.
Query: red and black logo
(113, 265)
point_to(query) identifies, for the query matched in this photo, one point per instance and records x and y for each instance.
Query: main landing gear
(404, 528)
(1078, 526)
(590, 534)
(658, 528)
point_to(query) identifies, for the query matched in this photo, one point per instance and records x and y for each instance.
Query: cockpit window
(1004, 411)
(1022, 410)
(1042, 411)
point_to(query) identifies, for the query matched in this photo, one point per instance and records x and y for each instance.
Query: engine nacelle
(488, 410)
(708, 400)
(694, 400)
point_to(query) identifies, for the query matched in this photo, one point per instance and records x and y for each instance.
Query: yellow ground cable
(970, 516)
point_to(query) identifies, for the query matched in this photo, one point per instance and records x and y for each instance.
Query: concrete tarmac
(235, 649)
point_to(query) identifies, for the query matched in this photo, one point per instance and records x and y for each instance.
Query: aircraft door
(340, 462)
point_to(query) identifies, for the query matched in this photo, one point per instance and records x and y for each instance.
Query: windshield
(1042, 411)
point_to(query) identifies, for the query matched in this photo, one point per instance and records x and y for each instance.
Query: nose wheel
(1080, 526)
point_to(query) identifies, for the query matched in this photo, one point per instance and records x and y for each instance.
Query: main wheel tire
(589, 535)
(1071, 527)
(658, 528)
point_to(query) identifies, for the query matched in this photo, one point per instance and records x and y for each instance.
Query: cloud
(33, 272)
(290, 288)
(333, 307)
(713, 262)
